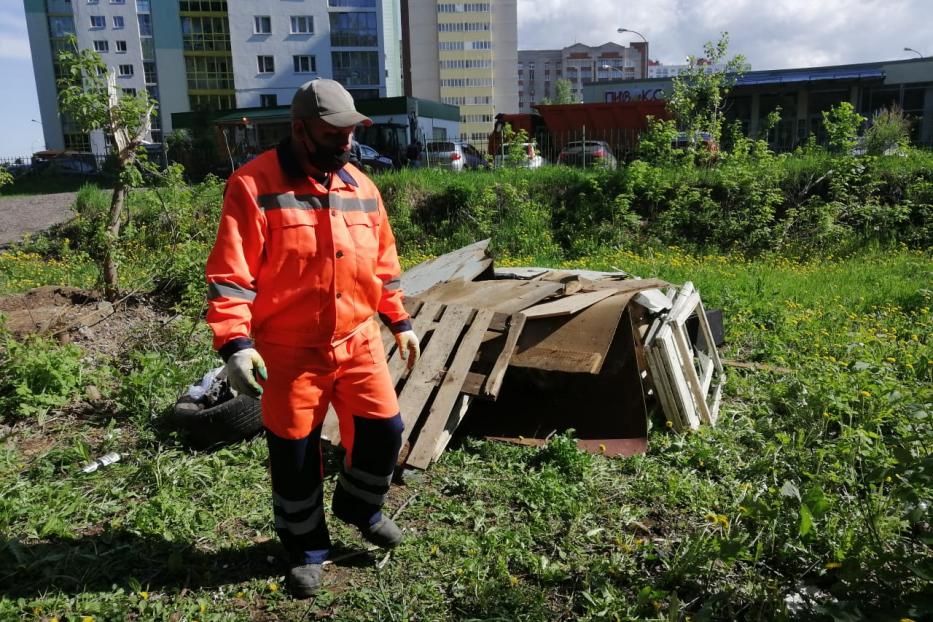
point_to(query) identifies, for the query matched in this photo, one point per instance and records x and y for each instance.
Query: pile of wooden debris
(530, 351)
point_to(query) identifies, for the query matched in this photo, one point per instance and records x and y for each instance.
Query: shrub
(38, 375)
(842, 123)
(889, 132)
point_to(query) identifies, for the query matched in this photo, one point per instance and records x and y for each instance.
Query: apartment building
(215, 54)
(539, 70)
(463, 54)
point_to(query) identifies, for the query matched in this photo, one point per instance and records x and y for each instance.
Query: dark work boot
(384, 533)
(303, 581)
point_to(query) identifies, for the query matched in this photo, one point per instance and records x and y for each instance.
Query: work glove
(242, 369)
(408, 346)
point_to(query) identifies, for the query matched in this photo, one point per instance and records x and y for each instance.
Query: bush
(38, 375)
(888, 133)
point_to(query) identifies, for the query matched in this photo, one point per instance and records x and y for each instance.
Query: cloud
(14, 42)
(776, 34)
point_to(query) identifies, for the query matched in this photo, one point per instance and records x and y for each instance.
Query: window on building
(149, 71)
(142, 6)
(302, 25)
(129, 92)
(202, 6)
(355, 68)
(353, 29)
(120, 46)
(125, 71)
(266, 64)
(205, 34)
(305, 64)
(208, 73)
(61, 26)
(268, 100)
(101, 46)
(352, 4)
(262, 25)
(145, 24)
(99, 21)
(118, 22)
(117, 1)
(147, 47)
(92, 1)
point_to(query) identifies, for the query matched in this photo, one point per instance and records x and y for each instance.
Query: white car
(532, 158)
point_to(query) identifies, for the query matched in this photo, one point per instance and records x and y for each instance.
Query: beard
(327, 160)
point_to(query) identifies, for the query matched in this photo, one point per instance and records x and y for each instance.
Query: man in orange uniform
(304, 260)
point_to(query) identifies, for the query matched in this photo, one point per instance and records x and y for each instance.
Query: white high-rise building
(464, 54)
(215, 54)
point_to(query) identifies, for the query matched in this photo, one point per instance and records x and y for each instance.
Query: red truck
(554, 125)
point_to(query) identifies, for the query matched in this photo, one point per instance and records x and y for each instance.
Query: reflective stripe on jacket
(295, 263)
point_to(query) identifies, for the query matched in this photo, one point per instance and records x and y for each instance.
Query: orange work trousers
(302, 383)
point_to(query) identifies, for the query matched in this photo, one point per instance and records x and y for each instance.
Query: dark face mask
(326, 158)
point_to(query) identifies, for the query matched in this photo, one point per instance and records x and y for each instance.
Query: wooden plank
(437, 418)
(494, 380)
(420, 324)
(504, 295)
(421, 380)
(465, 263)
(456, 416)
(473, 383)
(568, 305)
(627, 285)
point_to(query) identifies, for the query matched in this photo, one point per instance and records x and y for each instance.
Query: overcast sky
(771, 34)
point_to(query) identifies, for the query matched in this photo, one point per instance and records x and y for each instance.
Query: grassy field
(816, 480)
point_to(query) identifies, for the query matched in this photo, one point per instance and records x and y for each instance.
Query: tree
(842, 123)
(88, 97)
(563, 92)
(698, 101)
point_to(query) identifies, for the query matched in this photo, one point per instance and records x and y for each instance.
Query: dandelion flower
(144, 595)
(273, 587)
(866, 393)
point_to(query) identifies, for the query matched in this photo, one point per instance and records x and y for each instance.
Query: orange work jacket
(297, 263)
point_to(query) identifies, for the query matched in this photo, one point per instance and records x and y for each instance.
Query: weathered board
(465, 264)
(568, 305)
(425, 447)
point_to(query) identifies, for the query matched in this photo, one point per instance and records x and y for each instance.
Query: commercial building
(215, 54)
(658, 70)
(539, 70)
(463, 54)
(803, 94)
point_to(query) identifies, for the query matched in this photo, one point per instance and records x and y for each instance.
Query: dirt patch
(78, 316)
(22, 215)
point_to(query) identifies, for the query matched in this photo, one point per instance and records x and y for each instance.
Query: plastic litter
(101, 462)
(197, 391)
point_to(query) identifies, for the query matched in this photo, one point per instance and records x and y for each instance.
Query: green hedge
(798, 203)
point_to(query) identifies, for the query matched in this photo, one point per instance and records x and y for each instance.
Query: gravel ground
(20, 215)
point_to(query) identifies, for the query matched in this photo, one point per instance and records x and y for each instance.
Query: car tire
(231, 421)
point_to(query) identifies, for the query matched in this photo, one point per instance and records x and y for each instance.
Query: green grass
(812, 477)
(44, 184)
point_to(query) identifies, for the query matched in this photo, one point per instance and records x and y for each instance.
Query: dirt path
(20, 215)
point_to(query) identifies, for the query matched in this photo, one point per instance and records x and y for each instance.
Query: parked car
(531, 159)
(590, 153)
(372, 161)
(704, 140)
(455, 155)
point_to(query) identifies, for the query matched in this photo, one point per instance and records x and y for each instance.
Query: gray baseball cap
(329, 101)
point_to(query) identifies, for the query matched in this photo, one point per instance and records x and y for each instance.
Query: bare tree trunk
(111, 277)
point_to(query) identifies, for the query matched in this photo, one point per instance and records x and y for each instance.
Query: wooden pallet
(431, 395)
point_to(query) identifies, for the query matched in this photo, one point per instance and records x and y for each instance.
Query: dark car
(703, 140)
(372, 161)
